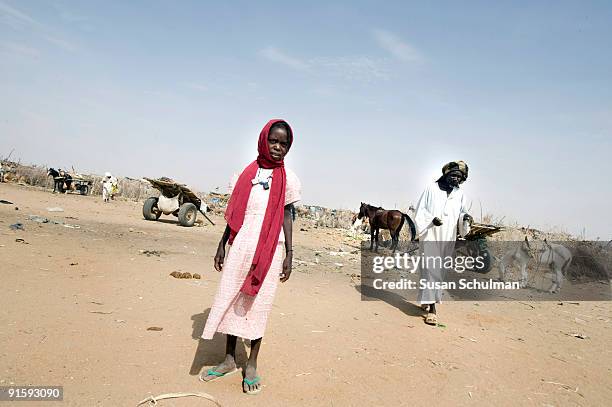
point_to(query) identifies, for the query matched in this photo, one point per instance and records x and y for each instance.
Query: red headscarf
(273, 219)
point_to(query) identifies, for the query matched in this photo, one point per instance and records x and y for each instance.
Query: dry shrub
(136, 189)
(325, 217)
(29, 175)
(129, 188)
(516, 233)
(591, 261)
(338, 219)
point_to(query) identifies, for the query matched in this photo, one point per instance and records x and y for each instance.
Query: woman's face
(278, 142)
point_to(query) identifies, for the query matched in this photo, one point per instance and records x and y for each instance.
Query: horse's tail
(412, 226)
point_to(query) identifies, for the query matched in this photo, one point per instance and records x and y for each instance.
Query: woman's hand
(437, 221)
(288, 231)
(284, 276)
(220, 257)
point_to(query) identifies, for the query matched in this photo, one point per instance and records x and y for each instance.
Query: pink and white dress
(233, 312)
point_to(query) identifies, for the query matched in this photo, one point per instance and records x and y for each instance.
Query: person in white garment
(441, 206)
(109, 186)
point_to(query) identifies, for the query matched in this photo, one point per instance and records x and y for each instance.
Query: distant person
(259, 224)
(438, 212)
(109, 187)
(1, 172)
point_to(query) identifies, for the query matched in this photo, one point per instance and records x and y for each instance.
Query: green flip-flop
(217, 375)
(250, 383)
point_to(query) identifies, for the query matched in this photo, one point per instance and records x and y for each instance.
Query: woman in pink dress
(259, 224)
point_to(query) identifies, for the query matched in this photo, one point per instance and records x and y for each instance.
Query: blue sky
(380, 96)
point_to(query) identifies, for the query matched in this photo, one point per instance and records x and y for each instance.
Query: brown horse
(392, 220)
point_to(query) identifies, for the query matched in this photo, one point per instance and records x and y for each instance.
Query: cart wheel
(486, 259)
(150, 210)
(84, 189)
(187, 214)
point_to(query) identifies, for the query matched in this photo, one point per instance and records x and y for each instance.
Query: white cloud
(276, 55)
(19, 49)
(197, 86)
(358, 68)
(324, 91)
(20, 20)
(396, 47)
(14, 17)
(361, 68)
(66, 45)
(73, 17)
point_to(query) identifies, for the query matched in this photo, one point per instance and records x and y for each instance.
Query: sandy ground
(76, 304)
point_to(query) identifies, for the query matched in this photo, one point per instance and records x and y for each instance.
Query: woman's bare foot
(251, 383)
(227, 366)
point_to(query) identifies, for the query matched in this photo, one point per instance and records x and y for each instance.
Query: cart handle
(213, 223)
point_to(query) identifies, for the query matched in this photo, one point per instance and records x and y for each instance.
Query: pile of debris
(332, 260)
(325, 217)
(216, 202)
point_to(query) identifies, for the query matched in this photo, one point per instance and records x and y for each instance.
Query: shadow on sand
(211, 352)
(169, 221)
(392, 299)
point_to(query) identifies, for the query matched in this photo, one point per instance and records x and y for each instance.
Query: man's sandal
(431, 319)
(217, 375)
(250, 383)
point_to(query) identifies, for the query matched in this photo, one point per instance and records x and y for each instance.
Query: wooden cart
(72, 183)
(174, 199)
(474, 244)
